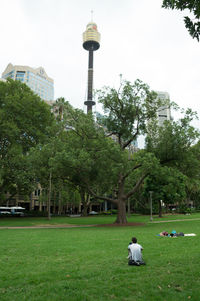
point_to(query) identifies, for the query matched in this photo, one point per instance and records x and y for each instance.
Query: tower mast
(91, 43)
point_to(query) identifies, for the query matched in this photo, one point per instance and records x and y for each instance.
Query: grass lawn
(91, 220)
(87, 264)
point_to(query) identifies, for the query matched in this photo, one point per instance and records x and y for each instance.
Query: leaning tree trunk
(121, 212)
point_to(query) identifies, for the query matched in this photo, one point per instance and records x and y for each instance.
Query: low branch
(103, 198)
(132, 169)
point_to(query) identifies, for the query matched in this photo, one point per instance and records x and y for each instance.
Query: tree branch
(137, 185)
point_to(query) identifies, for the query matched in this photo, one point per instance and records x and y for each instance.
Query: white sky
(139, 39)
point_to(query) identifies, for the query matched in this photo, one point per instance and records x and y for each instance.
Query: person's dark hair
(134, 240)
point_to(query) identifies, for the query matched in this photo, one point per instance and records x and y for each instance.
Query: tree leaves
(193, 25)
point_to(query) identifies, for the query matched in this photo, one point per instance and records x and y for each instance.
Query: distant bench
(75, 215)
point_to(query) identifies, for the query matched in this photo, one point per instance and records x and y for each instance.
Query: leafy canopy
(192, 24)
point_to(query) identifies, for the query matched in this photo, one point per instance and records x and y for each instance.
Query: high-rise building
(36, 79)
(164, 112)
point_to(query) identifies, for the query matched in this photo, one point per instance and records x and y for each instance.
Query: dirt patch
(121, 225)
(49, 226)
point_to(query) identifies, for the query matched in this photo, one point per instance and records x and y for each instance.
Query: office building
(36, 79)
(164, 112)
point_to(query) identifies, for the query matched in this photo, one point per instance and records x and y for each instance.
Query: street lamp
(151, 218)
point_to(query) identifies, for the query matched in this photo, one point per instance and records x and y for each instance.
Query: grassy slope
(90, 264)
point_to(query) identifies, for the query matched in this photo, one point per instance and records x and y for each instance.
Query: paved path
(49, 227)
(175, 220)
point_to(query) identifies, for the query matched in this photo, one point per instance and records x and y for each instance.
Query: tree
(172, 144)
(168, 186)
(192, 169)
(25, 120)
(193, 25)
(41, 158)
(97, 157)
(103, 165)
(59, 107)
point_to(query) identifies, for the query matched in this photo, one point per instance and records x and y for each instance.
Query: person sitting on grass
(135, 253)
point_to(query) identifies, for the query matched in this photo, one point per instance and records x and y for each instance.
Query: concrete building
(36, 79)
(164, 112)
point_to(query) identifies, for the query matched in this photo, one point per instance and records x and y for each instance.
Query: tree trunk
(49, 198)
(129, 208)
(159, 209)
(121, 212)
(85, 199)
(59, 204)
(85, 209)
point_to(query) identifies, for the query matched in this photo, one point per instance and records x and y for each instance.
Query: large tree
(173, 145)
(97, 155)
(25, 120)
(193, 6)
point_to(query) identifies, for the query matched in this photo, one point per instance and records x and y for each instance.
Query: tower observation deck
(91, 43)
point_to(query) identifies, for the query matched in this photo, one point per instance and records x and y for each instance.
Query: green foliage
(167, 184)
(193, 6)
(172, 142)
(127, 110)
(25, 121)
(96, 157)
(94, 162)
(109, 212)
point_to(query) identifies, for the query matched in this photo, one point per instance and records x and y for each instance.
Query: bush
(33, 213)
(107, 212)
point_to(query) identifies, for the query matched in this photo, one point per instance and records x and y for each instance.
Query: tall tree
(103, 165)
(193, 6)
(172, 145)
(25, 120)
(96, 156)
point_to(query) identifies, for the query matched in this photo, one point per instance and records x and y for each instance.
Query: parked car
(93, 213)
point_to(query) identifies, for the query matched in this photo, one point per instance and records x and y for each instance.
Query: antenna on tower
(91, 15)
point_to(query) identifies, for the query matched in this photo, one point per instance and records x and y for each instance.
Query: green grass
(91, 220)
(86, 264)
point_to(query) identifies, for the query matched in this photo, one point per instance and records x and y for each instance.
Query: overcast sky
(139, 39)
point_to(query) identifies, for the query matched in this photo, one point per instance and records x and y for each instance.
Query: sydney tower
(91, 42)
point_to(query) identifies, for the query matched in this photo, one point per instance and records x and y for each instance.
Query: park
(81, 259)
(76, 188)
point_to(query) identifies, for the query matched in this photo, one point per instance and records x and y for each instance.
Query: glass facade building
(164, 112)
(36, 79)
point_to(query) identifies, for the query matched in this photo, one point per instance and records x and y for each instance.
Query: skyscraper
(164, 112)
(36, 79)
